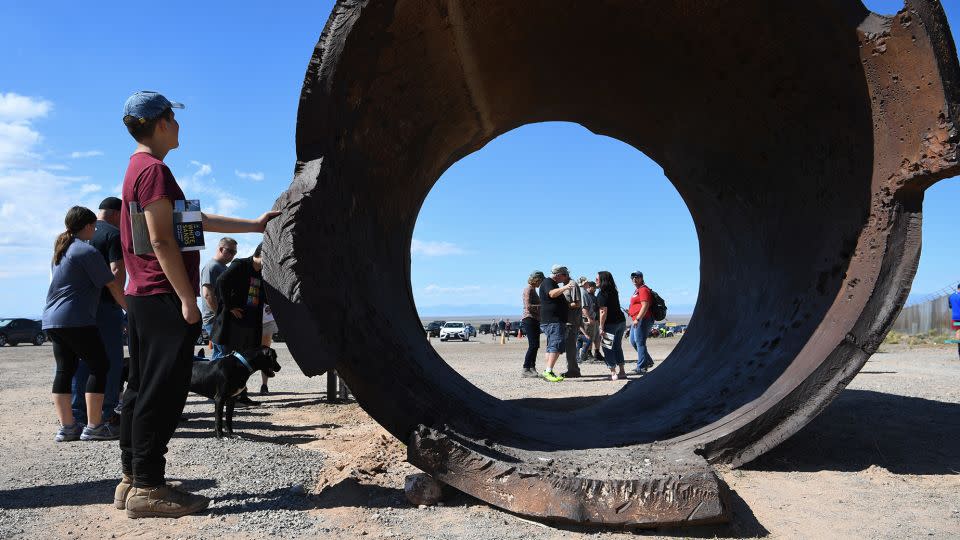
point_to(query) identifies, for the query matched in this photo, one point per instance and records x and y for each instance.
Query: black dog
(223, 379)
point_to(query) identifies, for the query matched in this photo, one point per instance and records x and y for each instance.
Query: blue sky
(67, 67)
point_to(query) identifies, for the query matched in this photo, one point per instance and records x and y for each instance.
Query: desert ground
(882, 461)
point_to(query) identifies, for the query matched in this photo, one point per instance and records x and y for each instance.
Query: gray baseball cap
(559, 269)
(147, 105)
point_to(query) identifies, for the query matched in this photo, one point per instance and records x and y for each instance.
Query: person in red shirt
(641, 315)
(163, 316)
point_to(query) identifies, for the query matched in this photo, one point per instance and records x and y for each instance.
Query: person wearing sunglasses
(226, 251)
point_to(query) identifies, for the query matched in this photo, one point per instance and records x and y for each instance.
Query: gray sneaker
(68, 433)
(529, 373)
(104, 432)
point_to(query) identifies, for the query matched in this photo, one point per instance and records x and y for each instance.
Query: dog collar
(243, 361)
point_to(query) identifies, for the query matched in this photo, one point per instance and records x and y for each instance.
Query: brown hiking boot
(120, 494)
(163, 501)
(123, 490)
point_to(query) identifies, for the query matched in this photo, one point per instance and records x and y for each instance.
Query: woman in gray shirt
(70, 319)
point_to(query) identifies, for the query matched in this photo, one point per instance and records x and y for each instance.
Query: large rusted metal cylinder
(801, 135)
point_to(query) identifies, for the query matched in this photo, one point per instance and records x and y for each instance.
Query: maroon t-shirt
(148, 180)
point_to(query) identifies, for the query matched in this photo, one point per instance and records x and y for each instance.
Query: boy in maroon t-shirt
(641, 314)
(163, 317)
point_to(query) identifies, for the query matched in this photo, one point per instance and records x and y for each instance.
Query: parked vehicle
(454, 330)
(469, 331)
(14, 331)
(486, 328)
(433, 329)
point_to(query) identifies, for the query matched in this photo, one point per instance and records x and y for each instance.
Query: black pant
(570, 347)
(161, 361)
(69, 346)
(531, 328)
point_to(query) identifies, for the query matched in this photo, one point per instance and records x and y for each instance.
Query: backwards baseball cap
(111, 203)
(536, 274)
(636, 273)
(559, 269)
(147, 105)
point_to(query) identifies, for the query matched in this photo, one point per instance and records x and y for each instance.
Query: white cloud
(203, 169)
(18, 142)
(34, 196)
(255, 176)
(466, 289)
(213, 199)
(18, 109)
(435, 249)
(85, 154)
(36, 201)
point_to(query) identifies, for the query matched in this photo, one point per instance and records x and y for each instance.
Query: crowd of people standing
(579, 316)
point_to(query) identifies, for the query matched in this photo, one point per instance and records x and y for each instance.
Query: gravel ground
(881, 461)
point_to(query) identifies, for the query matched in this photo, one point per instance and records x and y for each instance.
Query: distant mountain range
(483, 311)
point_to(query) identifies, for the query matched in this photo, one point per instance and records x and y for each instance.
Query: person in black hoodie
(238, 325)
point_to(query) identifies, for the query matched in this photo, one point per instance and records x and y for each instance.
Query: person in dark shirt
(215, 267)
(612, 324)
(106, 240)
(554, 310)
(238, 325)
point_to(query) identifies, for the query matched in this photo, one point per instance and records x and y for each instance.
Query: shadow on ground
(905, 435)
(558, 404)
(97, 492)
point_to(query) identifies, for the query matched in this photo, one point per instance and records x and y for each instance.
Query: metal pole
(332, 386)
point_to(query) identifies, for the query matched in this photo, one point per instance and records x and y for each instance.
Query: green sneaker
(551, 376)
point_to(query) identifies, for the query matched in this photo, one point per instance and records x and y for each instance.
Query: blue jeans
(638, 338)
(218, 350)
(614, 355)
(109, 323)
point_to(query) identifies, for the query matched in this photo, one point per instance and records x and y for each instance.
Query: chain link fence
(926, 315)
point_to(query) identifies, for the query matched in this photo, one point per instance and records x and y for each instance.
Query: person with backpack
(641, 313)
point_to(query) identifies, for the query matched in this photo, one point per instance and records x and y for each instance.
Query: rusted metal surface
(801, 135)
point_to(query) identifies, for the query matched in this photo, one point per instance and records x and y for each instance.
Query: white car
(453, 330)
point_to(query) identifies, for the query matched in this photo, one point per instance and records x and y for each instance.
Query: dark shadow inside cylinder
(763, 128)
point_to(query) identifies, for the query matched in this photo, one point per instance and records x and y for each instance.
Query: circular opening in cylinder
(543, 194)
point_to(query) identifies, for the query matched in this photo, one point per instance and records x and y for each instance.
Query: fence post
(332, 386)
